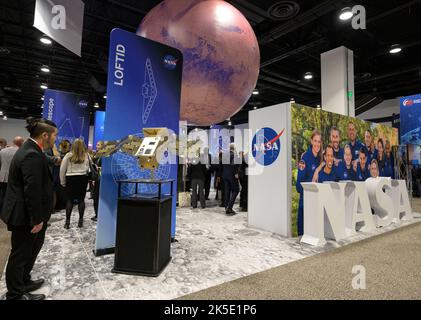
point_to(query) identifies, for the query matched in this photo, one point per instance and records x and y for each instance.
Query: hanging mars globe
(221, 55)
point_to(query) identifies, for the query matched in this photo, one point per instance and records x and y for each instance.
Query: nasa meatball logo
(408, 102)
(266, 146)
(83, 104)
(170, 62)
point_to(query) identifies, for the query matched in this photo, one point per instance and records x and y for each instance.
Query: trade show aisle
(392, 263)
(212, 249)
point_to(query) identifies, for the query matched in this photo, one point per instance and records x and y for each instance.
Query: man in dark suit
(230, 175)
(27, 208)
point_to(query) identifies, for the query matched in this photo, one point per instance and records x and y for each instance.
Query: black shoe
(67, 225)
(33, 285)
(30, 296)
(94, 219)
(80, 224)
(230, 212)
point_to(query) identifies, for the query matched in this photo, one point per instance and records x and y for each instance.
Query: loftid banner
(144, 89)
(410, 123)
(70, 112)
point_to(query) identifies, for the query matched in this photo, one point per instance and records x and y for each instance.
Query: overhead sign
(61, 20)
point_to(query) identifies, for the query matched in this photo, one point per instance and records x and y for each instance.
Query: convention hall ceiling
(291, 34)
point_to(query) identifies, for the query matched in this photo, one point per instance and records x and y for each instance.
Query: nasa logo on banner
(410, 102)
(267, 146)
(83, 104)
(170, 62)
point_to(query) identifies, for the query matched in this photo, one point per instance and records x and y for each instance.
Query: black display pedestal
(143, 233)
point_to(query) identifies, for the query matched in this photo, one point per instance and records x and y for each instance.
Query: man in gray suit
(6, 156)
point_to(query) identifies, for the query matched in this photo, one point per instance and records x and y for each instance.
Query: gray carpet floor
(392, 262)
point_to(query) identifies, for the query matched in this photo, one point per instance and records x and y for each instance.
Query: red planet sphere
(221, 55)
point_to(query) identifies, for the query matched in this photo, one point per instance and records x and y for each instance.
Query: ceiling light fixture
(256, 92)
(45, 40)
(1, 113)
(96, 105)
(43, 86)
(45, 69)
(308, 76)
(105, 96)
(395, 49)
(4, 118)
(346, 14)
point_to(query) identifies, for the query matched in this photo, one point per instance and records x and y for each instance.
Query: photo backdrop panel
(306, 119)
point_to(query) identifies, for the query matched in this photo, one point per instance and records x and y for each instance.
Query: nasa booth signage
(69, 111)
(144, 90)
(279, 136)
(410, 123)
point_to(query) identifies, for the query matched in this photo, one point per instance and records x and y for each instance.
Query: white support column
(337, 74)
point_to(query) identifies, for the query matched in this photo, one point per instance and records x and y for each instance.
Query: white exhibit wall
(269, 192)
(11, 128)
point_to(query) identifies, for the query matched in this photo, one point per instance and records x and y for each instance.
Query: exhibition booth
(317, 180)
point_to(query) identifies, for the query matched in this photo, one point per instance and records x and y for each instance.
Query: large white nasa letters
(335, 210)
(358, 208)
(381, 203)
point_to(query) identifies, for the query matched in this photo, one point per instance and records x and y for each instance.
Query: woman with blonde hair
(74, 171)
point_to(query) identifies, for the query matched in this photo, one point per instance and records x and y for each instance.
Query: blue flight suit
(332, 176)
(381, 165)
(344, 173)
(389, 167)
(339, 155)
(305, 175)
(355, 149)
(371, 154)
(362, 175)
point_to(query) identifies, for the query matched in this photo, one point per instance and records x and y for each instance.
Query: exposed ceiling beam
(290, 52)
(300, 21)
